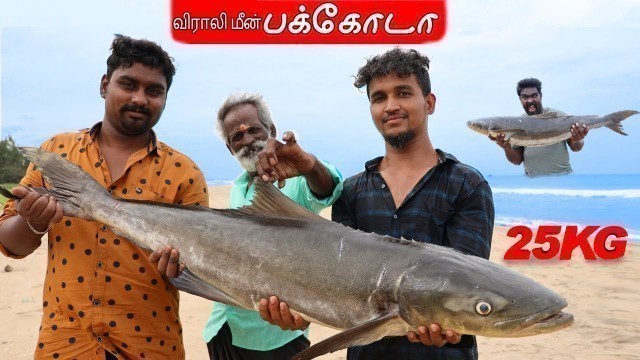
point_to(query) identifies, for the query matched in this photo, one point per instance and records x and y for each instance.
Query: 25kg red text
(551, 242)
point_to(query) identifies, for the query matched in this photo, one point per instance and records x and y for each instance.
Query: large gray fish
(366, 284)
(545, 129)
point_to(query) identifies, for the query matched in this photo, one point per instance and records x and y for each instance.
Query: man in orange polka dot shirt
(102, 298)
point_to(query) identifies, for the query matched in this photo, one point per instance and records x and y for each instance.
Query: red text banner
(308, 22)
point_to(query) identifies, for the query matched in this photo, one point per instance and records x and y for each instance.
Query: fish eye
(483, 308)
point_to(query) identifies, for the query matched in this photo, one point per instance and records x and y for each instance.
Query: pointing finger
(289, 138)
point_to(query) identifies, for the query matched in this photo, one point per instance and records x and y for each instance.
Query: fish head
(470, 295)
(480, 125)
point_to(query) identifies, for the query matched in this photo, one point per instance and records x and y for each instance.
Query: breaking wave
(587, 193)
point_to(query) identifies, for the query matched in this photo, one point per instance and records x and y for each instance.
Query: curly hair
(527, 83)
(125, 51)
(401, 61)
(242, 98)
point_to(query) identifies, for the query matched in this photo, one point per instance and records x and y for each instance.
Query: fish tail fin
(9, 195)
(614, 119)
(72, 187)
(6, 193)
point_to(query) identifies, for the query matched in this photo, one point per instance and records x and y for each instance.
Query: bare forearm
(515, 156)
(576, 145)
(17, 238)
(320, 180)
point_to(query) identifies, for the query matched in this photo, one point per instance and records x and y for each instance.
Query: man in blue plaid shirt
(414, 192)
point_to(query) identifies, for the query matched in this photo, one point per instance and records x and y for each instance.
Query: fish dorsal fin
(269, 201)
(548, 115)
(362, 334)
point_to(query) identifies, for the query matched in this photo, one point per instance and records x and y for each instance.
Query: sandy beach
(602, 296)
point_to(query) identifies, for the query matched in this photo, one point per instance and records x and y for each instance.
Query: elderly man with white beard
(244, 123)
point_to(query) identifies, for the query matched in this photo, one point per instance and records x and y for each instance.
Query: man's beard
(137, 126)
(400, 140)
(248, 155)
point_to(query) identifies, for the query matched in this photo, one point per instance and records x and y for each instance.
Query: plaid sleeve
(342, 211)
(471, 227)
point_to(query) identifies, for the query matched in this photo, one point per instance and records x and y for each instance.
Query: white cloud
(585, 52)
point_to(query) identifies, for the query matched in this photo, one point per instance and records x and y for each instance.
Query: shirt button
(384, 186)
(99, 264)
(96, 302)
(395, 216)
(104, 228)
(99, 338)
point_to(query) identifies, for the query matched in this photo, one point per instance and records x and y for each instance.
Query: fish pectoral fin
(192, 284)
(362, 334)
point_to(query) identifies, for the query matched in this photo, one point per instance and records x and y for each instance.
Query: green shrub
(12, 164)
(2, 198)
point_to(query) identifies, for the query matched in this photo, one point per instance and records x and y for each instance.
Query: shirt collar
(153, 146)
(243, 179)
(372, 165)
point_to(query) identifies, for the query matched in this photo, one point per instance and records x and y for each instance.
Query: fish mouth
(545, 321)
(477, 128)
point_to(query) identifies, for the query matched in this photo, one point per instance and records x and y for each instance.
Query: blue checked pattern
(451, 205)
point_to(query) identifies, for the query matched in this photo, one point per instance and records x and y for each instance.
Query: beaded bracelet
(39, 232)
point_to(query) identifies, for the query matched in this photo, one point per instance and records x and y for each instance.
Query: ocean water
(215, 182)
(563, 200)
(569, 200)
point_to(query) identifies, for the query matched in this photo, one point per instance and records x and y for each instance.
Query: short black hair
(401, 61)
(527, 83)
(125, 51)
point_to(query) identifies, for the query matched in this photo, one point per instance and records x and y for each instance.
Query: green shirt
(248, 329)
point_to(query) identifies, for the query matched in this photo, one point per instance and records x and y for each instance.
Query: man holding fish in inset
(551, 159)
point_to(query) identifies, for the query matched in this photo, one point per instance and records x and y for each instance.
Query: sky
(585, 52)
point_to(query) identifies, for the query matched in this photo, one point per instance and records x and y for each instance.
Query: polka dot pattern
(101, 283)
